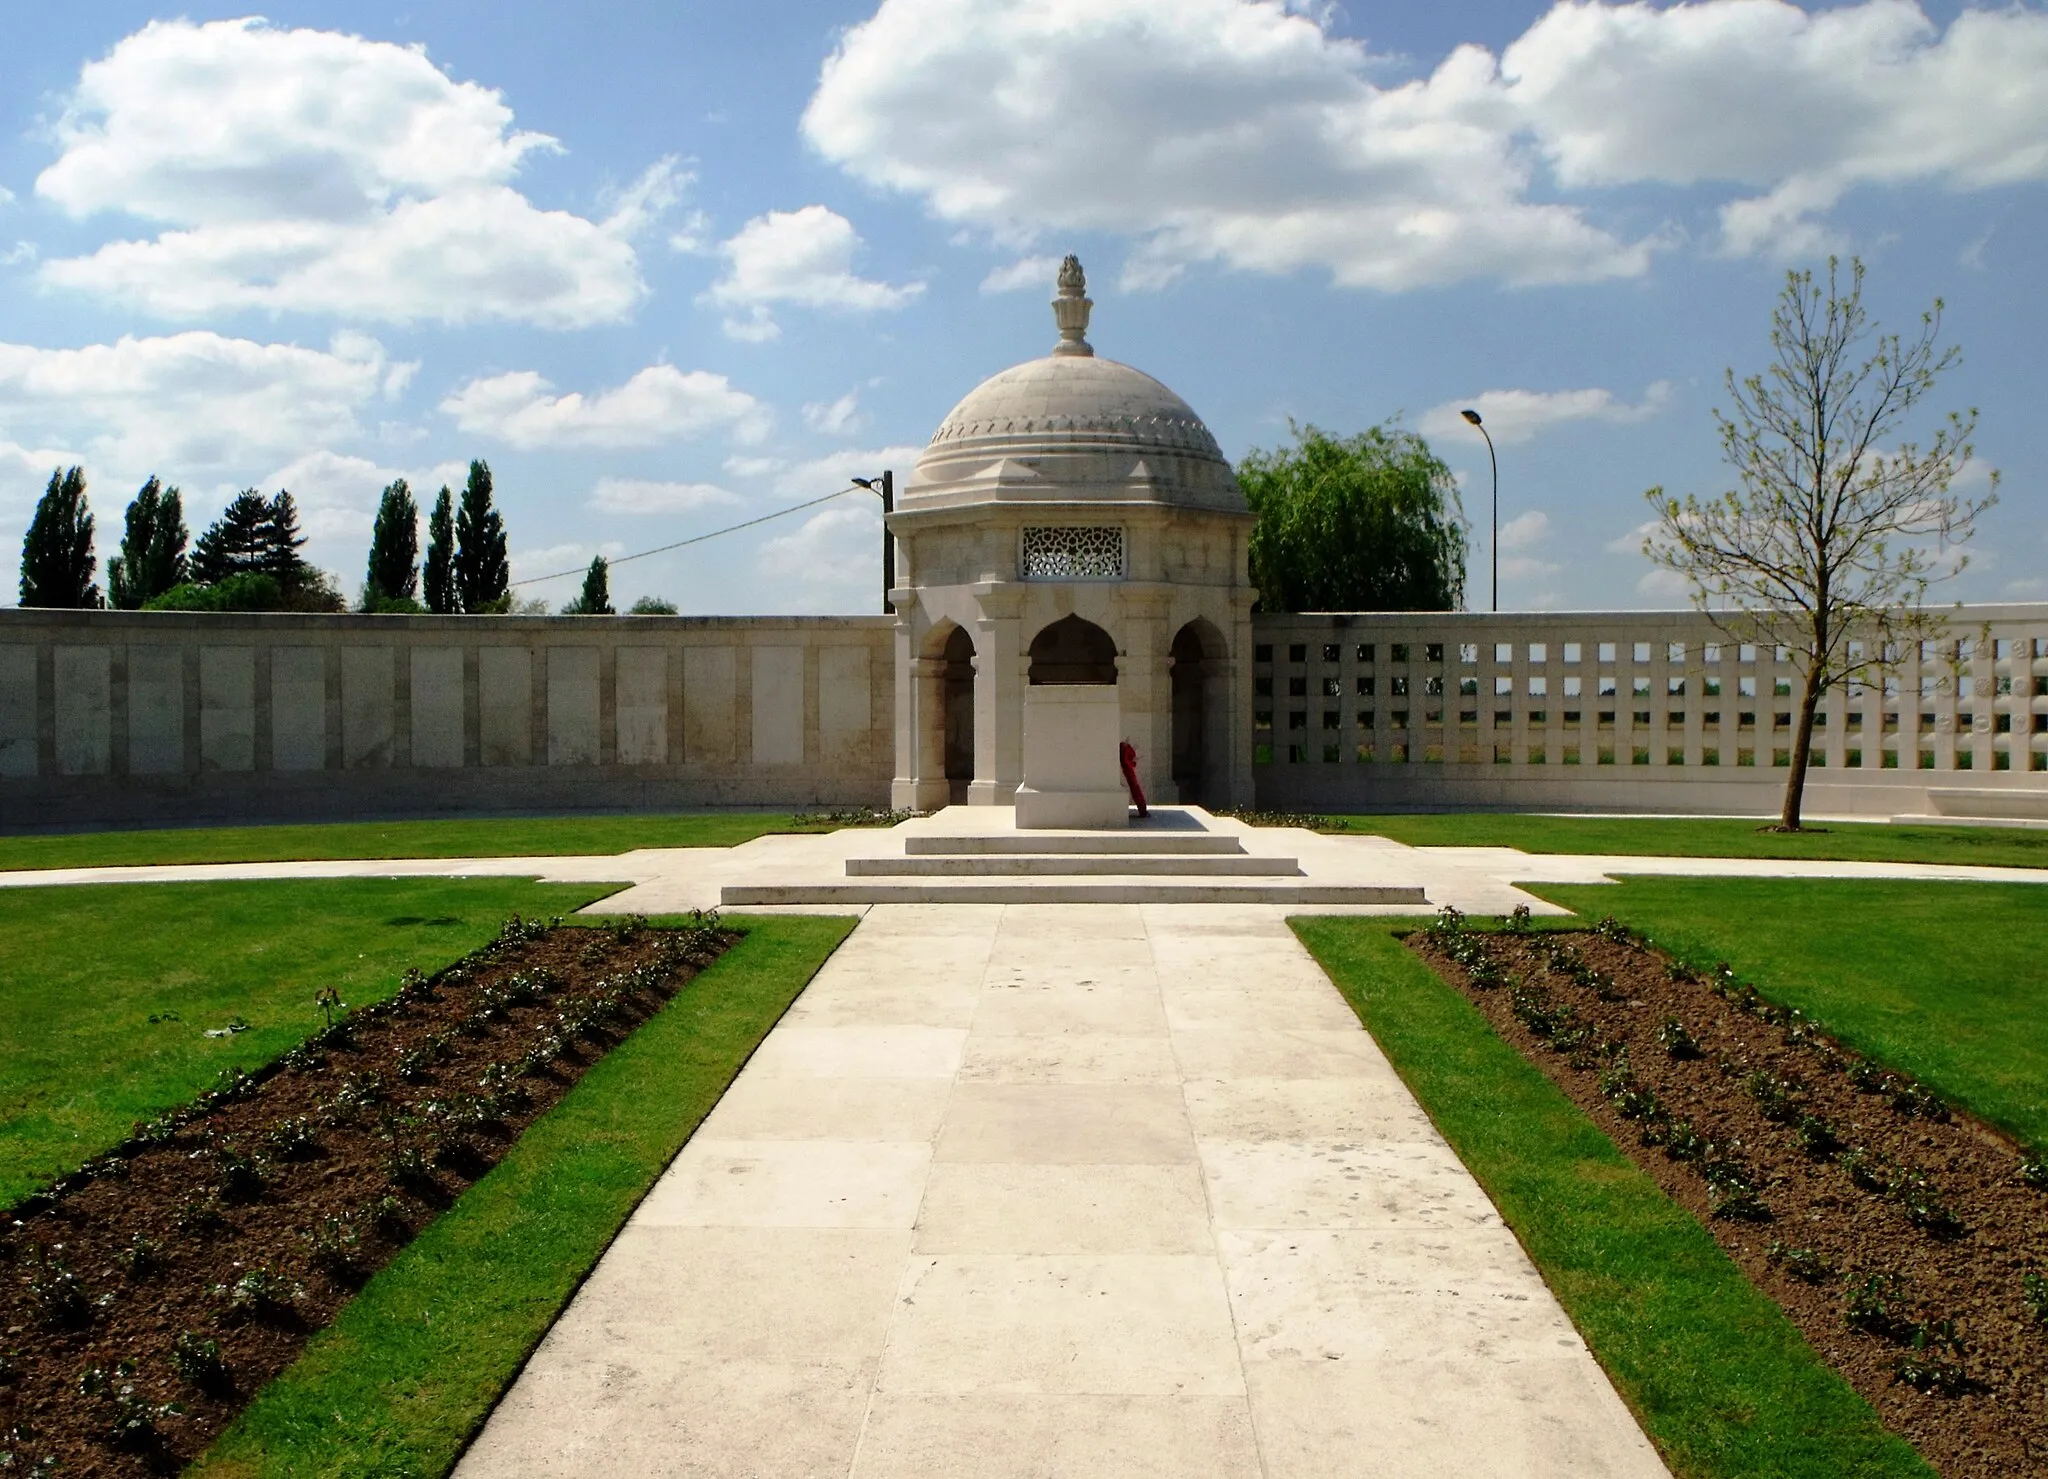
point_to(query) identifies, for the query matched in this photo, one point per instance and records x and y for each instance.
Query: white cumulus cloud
(1242, 132)
(659, 404)
(1525, 531)
(834, 418)
(312, 171)
(1804, 106)
(1205, 130)
(189, 406)
(833, 559)
(1518, 415)
(803, 257)
(643, 496)
(1025, 272)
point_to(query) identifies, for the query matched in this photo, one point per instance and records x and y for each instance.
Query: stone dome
(1072, 427)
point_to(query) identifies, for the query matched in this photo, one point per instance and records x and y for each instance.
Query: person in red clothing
(1127, 756)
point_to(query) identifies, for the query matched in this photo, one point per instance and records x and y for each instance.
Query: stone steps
(1146, 842)
(1052, 865)
(1115, 889)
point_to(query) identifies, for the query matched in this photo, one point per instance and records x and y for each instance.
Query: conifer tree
(394, 549)
(152, 558)
(57, 561)
(483, 575)
(439, 574)
(596, 597)
(236, 543)
(282, 542)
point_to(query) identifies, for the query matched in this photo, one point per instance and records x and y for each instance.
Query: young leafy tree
(1364, 523)
(152, 558)
(483, 574)
(393, 573)
(57, 561)
(236, 543)
(1838, 527)
(596, 596)
(653, 606)
(438, 575)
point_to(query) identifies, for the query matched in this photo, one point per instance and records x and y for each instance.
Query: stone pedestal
(1071, 777)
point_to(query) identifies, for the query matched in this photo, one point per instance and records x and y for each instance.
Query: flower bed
(147, 1297)
(1907, 1241)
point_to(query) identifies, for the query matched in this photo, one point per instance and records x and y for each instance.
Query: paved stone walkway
(1100, 1190)
(1479, 880)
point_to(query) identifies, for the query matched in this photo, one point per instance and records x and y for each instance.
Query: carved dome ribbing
(1073, 427)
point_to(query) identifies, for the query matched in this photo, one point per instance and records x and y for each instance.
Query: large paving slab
(1478, 880)
(1096, 1191)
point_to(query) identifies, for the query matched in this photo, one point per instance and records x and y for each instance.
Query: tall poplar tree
(57, 561)
(439, 573)
(152, 558)
(393, 573)
(483, 573)
(596, 596)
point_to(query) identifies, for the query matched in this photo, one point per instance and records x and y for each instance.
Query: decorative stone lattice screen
(1629, 709)
(1073, 553)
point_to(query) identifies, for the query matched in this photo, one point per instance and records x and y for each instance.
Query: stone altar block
(1071, 777)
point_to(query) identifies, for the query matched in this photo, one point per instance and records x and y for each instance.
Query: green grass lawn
(1947, 981)
(414, 1363)
(1720, 1379)
(455, 837)
(1715, 837)
(84, 970)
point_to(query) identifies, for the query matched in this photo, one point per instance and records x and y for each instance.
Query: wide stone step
(1043, 865)
(1073, 842)
(1119, 890)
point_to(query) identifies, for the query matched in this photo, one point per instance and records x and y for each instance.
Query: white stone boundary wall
(162, 716)
(1638, 711)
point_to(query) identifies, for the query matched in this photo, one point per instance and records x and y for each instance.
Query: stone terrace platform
(1176, 855)
(1098, 1191)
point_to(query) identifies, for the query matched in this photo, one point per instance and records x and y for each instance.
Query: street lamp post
(884, 487)
(1473, 417)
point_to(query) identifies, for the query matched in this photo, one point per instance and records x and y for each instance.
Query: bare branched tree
(1830, 543)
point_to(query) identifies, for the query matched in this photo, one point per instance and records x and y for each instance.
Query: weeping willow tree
(1370, 522)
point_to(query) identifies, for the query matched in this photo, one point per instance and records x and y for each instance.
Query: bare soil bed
(145, 1299)
(1907, 1241)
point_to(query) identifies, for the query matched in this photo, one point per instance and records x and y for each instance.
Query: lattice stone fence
(1639, 711)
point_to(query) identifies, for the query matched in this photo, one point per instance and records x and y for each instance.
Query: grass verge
(455, 837)
(1943, 980)
(400, 1381)
(1716, 837)
(1719, 1378)
(109, 990)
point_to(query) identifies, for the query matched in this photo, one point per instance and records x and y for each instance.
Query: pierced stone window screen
(1074, 552)
(1976, 702)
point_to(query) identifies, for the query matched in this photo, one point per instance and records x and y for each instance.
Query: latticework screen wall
(1622, 697)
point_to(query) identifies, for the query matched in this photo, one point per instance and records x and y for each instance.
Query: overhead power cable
(697, 538)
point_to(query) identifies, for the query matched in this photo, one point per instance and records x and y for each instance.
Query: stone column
(911, 706)
(1147, 688)
(1000, 667)
(1236, 681)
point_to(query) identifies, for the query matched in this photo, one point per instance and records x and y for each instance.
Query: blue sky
(668, 267)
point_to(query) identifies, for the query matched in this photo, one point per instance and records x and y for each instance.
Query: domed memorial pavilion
(1072, 574)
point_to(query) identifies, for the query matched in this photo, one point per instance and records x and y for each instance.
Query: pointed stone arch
(1201, 721)
(1073, 650)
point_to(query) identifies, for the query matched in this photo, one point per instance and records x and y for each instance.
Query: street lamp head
(867, 483)
(1470, 415)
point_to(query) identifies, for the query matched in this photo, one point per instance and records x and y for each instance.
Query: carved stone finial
(1070, 309)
